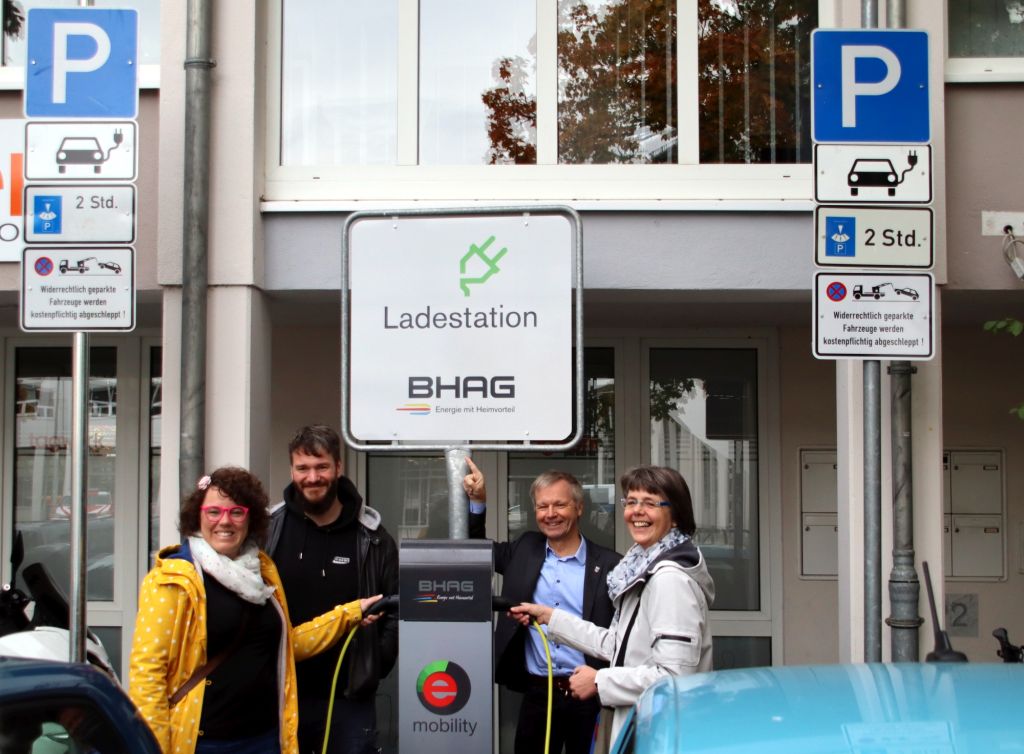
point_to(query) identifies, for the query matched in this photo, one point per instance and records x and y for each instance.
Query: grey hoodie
(671, 634)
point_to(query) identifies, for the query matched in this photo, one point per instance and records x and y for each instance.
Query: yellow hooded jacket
(169, 645)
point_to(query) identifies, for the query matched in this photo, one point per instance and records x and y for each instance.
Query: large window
(42, 469)
(703, 408)
(463, 85)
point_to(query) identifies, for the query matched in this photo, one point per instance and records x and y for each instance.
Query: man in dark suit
(555, 566)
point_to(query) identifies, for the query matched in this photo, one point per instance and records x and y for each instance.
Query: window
(703, 409)
(986, 40)
(651, 99)
(42, 477)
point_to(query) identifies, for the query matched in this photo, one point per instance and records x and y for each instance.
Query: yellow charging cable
(352, 632)
(334, 684)
(547, 655)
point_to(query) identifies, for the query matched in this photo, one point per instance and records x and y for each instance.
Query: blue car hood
(853, 709)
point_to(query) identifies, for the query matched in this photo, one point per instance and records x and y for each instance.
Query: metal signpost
(871, 126)
(461, 330)
(81, 80)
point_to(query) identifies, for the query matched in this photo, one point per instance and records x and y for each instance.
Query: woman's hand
(583, 682)
(364, 605)
(528, 611)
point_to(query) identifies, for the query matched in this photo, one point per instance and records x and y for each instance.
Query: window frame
(733, 185)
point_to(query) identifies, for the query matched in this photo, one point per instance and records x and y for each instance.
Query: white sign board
(78, 290)
(461, 328)
(873, 173)
(12, 148)
(80, 151)
(861, 236)
(873, 316)
(80, 214)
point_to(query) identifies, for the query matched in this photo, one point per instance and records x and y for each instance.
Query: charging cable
(1010, 244)
(551, 683)
(382, 605)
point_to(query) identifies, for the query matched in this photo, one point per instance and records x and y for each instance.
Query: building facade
(679, 130)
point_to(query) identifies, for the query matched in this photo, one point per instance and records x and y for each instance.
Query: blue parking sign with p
(870, 86)
(82, 63)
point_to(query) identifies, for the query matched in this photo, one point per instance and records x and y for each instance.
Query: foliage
(754, 79)
(666, 395)
(512, 118)
(617, 78)
(1008, 326)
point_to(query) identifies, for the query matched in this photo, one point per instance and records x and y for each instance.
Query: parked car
(825, 709)
(65, 708)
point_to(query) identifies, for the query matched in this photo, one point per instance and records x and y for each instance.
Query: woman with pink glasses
(213, 657)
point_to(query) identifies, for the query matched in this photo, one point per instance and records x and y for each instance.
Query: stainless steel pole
(79, 494)
(194, 276)
(458, 500)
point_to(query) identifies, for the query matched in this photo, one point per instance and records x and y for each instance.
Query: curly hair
(243, 488)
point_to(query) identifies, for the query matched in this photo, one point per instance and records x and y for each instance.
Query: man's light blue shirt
(560, 585)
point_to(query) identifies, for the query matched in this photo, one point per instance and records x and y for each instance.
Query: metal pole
(869, 14)
(872, 512)
(79, 448)
(872, 469)
(904, 588)
(895, 14)
(198, 63)
(458, 500)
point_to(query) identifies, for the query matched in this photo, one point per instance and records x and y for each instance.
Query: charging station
(446, 673)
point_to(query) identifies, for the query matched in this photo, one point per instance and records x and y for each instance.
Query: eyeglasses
(214, 513)
(631, 503)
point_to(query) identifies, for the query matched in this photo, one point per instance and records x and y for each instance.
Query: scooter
(38, 626)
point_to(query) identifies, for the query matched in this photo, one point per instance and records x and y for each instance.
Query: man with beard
(330, 547)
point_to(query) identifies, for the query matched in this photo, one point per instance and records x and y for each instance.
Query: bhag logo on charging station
(443, 687)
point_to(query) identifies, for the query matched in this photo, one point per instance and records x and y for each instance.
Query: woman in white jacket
(661, 591)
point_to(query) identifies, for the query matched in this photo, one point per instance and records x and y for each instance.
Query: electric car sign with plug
(870, 116)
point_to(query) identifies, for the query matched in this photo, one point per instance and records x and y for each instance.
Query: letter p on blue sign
(82, 63)
(870, 86)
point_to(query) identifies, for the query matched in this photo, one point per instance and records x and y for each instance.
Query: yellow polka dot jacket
(169, 645)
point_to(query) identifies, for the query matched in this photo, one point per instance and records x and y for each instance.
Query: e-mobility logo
(492, 264)
(443, 687)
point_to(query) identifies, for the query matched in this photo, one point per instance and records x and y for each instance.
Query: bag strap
(621, 656)
(204, 670)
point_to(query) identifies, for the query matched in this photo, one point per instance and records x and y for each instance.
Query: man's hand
(583, 682)
(474, 484)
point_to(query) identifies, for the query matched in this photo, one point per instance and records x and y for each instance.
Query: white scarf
(637, 560)
(241, 575)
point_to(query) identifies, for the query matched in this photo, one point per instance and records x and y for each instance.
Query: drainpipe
(198, 63)
(904, 588)
(872, 370)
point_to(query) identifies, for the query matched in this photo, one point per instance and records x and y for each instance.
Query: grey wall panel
(685, 251)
